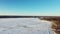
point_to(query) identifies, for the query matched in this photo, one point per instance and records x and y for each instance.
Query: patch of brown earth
(55, 23)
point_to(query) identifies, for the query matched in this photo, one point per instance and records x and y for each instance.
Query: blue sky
(30, 7)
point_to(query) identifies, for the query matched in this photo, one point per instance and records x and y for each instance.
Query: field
(24, 26)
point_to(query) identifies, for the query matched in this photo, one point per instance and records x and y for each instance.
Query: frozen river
(25, 26)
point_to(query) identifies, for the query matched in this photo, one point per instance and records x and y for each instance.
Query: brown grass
(55, 22)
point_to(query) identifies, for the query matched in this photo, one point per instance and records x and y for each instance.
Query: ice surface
(24, 26)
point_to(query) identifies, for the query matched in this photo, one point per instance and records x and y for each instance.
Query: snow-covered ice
(24, 26)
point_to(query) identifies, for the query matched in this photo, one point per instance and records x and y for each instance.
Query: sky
(30, 7)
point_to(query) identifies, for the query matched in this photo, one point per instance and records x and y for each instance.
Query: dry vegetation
(55, 23)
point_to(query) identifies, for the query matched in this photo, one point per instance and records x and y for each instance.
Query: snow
(25, 26)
